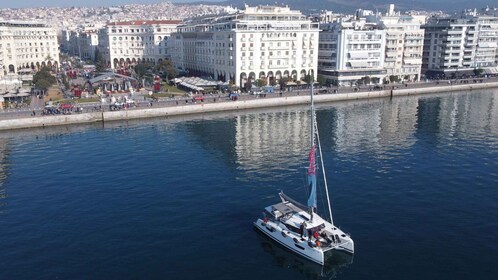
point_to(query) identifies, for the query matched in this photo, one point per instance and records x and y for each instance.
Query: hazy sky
(79, 3)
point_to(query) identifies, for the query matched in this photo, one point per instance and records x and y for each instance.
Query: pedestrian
(34, 113)
(303, 228)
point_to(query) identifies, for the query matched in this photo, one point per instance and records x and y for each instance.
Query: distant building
(265, 43)
(81, 43)
(351, 52)
(404, 44)
(460, 45)
(124, 44)
(27, 45)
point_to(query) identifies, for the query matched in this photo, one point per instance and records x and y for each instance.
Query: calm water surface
(413, 179)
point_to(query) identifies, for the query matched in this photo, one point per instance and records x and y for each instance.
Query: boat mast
(313, 126)
(312, 118)
(312, 167)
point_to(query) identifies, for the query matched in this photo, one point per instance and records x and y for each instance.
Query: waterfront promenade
(215, 103)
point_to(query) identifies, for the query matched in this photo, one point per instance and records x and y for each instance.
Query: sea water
(414, 180)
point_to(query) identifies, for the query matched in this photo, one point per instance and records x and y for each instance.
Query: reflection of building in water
(357, 127)
(468, 114)
(376, 125)
(398, 121)
(3, 171)
(264, 137)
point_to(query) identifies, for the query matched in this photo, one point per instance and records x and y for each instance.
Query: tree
(261, 82)
(141, 69)
(247, 85)
(321, 80)
(365, 80)
(43, 79)
(100, 64)
(283, 82)
(478, 71)
(393, 78)
(273, 81)
(168, 67)
(308, 78)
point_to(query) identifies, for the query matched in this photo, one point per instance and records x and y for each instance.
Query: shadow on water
(285, 259)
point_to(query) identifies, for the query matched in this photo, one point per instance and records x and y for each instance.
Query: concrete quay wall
(201, 108)
(42, 121)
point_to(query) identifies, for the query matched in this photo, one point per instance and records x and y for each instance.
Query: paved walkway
(38, 104)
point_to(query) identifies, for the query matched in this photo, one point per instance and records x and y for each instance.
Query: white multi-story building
(460, 45)
(27, 45)
(404, 44)
(82, 43)
(263, 42)
(127, 43)
(351, 50)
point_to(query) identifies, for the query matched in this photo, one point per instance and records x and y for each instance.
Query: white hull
(301, 246)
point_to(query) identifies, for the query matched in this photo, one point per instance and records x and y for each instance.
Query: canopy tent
(109, 75)
(190, 86)
(493, 70)
(9, 95)
(196, 81)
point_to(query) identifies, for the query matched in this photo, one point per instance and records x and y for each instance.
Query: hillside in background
(381, 5)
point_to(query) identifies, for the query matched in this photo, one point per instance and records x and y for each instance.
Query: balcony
(278, 47)
(413, 61)
(487, 45)
(454, 31)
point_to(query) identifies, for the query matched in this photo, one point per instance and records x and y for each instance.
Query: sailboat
(299, 227)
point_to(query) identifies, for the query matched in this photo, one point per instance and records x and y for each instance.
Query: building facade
(259, 43)
(404, 45)
(26, 45)
(460, 45)
(81, 43)
(351, 52)
(124, 44)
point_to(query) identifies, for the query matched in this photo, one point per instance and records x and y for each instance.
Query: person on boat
(316, 235)
(303, 228)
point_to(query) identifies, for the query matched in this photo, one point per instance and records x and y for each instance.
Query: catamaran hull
(301, 247)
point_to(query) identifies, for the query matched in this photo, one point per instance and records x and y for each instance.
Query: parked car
(199, 97)
(66, 106)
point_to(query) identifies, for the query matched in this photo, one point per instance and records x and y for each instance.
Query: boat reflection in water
(311, 270)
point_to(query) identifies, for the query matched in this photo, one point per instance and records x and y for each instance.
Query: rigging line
(323, 172)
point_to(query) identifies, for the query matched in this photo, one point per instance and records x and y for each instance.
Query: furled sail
(312, 179)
